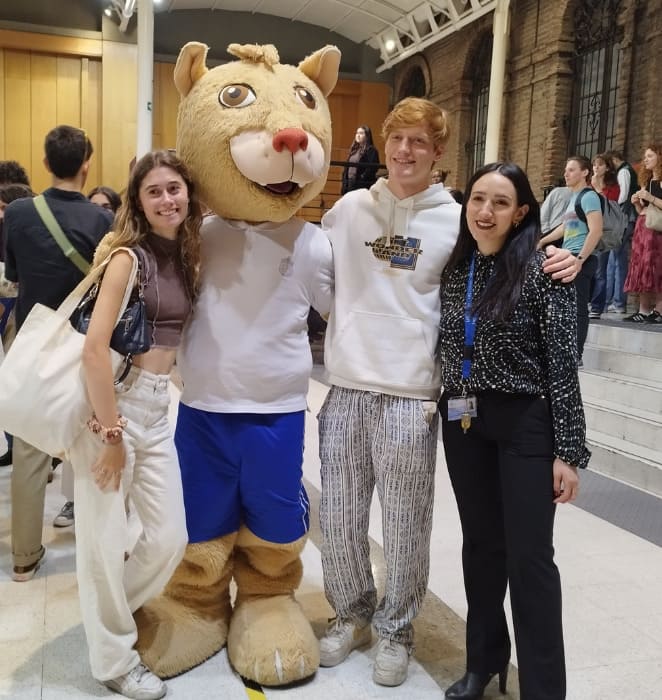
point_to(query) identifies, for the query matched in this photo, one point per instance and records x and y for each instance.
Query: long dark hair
(504, 287)
(367, 142)
(610, 177)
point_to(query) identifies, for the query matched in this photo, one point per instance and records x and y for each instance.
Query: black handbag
(131, 334)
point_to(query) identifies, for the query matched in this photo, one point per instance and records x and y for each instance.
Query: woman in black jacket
(361, 152)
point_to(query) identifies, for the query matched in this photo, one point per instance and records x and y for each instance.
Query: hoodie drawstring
(408, 206)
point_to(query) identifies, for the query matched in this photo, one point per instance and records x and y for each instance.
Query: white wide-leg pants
(110, 588)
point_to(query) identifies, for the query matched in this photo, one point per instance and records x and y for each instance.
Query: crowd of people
(633, 266)
(483, 334)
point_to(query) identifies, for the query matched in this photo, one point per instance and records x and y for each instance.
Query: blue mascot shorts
(242, 468)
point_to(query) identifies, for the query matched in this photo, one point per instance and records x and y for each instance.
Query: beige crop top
(167, 301)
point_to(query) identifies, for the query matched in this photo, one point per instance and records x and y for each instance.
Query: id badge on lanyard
(465, 407)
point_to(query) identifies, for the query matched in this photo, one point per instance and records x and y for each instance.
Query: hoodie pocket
(384, 350)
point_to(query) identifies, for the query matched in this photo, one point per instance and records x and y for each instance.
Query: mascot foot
(173, 639)
(188, 622)
(271, 641)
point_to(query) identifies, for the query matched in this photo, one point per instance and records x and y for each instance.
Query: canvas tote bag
(43, 396)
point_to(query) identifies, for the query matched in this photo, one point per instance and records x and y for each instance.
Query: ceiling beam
(426, 28)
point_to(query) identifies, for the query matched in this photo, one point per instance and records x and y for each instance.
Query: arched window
(475, 148)
(415, 81)
(414, 85)
(597, 57)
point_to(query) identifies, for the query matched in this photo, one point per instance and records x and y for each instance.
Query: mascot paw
(188, 622)
(271, 642)
(173, 637)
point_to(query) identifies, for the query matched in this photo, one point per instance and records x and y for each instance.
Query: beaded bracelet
(111, 435)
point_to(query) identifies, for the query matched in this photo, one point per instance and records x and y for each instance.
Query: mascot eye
(237, 96)
(305, 96)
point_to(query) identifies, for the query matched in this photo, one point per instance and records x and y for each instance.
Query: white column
(501, 29)
(145, 76)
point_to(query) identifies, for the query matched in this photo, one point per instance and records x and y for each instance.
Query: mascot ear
(190, 66)
(322, 68)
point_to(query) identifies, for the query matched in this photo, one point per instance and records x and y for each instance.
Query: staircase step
(626, 337)
(633, 464)
(622, 391)
(609, 359)
(633, 425)
(629, 392)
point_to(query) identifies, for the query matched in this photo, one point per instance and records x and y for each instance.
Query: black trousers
(583, 283)
(501, 472)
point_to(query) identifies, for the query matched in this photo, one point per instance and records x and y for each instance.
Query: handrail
(347, 163)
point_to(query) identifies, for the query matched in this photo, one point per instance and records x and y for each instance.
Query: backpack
(614, 220)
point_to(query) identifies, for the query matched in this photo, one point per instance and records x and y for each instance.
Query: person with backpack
(581, 231)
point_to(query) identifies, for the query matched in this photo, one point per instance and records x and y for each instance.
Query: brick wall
(538, 113)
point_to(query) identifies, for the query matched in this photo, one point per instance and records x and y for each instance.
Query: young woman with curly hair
(645, 269)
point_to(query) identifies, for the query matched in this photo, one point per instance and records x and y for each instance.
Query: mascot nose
(292, 139)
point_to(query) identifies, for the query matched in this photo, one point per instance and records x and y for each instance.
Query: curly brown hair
(131, 225)
(645, 176)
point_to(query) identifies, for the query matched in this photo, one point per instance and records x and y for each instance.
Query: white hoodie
(389, 254)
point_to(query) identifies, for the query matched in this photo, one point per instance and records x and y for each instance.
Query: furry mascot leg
(188, 622)
(270, 640)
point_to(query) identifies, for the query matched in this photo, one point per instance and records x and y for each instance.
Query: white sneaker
(391, 663)
(139, 684)
(340, 638)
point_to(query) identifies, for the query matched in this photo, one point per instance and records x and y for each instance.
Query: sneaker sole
(57, 523)
(361, 639)
(29, 575)
(389, 678)
(142, 695)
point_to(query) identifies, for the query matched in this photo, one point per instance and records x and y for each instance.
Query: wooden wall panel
(90, 117)
(374, 103)
(119, 94)
(166, 104)
(344, 118)
(2, 101)
(353, 103)
(50, 43)
(68, 90)
(40, 91)
(43, 115)
(18, 130)
(157, 112)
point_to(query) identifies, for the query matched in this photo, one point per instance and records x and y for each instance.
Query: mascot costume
(256, 135)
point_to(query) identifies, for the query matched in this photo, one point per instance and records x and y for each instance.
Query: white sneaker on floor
(139, 684)
(391, 663)
(65, 517)
(340, 638)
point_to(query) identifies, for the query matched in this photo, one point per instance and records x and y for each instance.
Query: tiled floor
(612, 613)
